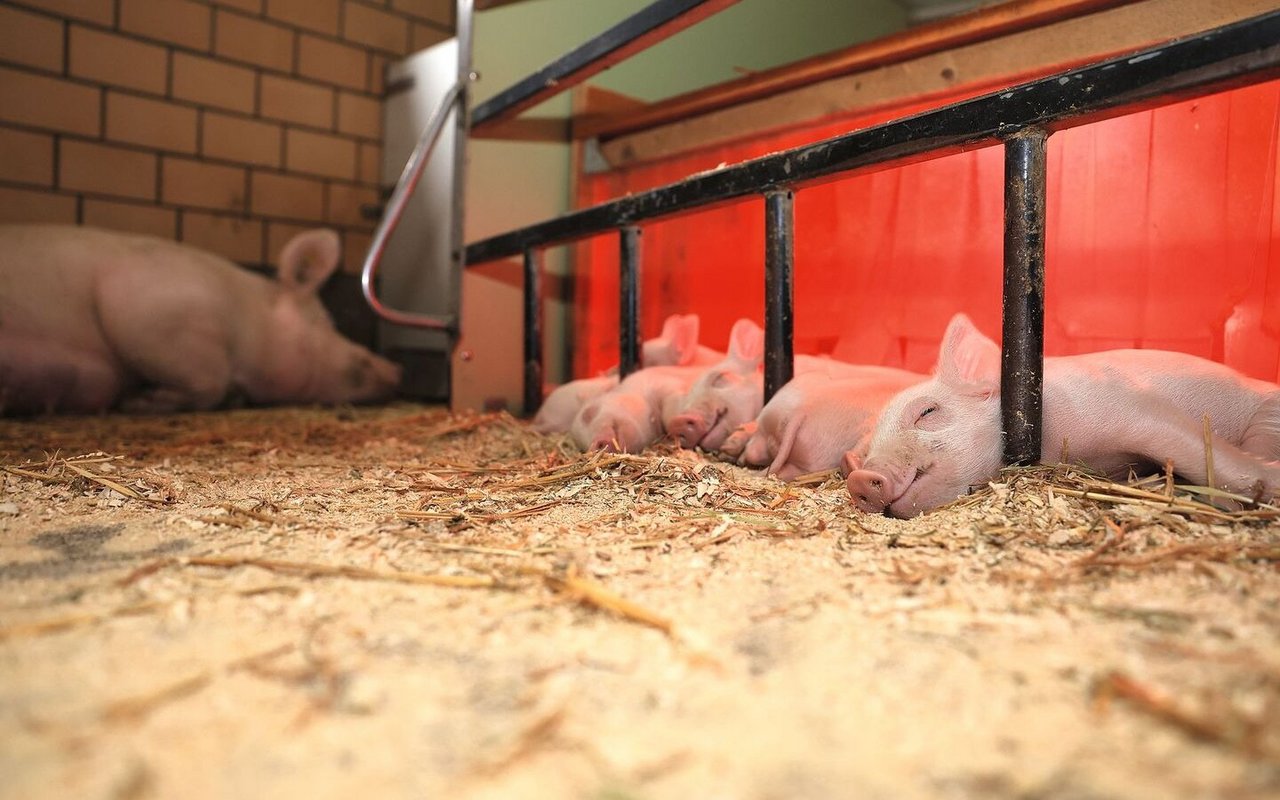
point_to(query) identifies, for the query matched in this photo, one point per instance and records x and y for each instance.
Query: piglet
(813, 420)
(1109, 411)
(629, 417)
(677, 345)
(729, 394)
(557, 411)
(91, 320)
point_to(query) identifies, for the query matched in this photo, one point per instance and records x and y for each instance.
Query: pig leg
(40, 377)
(192, 373)
(758, 452)
(781, 466)
(1262, 437)
(1169, 435)
(737, 441)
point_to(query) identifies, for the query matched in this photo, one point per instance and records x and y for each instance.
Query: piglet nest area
(399, 602)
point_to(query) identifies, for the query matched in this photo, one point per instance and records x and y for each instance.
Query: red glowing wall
(1162, 232)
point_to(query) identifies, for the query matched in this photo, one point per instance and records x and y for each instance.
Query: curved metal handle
(408, 181)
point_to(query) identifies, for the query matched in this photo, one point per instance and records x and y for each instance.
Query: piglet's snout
(869, 490)
(688, 428)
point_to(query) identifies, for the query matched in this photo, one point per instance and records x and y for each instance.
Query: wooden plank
(979, 25)
(976, 67)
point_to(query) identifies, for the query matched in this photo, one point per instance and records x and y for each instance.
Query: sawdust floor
(397, 603)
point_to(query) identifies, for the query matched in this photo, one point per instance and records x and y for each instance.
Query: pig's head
(616, 422)
(312, 362)
(727, 395)
(676, 346)
(938, 438)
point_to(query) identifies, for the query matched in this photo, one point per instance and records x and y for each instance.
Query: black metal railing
(1022, 117)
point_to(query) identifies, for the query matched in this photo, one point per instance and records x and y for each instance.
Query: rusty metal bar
(533, 368)
(779, 263)
(628, 315)
(1022, 354)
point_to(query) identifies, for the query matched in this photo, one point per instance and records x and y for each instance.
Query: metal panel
(416, 272)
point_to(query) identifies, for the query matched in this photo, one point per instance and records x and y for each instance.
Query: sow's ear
(681, 330)
(968, 361)
(746, 343)
(308, 259)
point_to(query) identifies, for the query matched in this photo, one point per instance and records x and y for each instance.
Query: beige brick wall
(229, 124)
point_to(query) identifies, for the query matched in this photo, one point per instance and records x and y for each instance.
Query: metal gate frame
(1020, 117)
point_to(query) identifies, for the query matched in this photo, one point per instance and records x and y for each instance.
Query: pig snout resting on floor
(677, 345)
(1109, 411)
(629, 417)
(731, 393)
(813, 420)
(91, 320)
(724, 397)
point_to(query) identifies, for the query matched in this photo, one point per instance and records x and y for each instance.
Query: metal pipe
(1022, 355)
(464, 19)
(779, 262)
(629, 295)
(533, 371)
(407, 182)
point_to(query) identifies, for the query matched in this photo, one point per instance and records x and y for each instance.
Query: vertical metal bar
(532, 331)
(465, 13)
(779, 261)
(629, 286)
(1022, 360)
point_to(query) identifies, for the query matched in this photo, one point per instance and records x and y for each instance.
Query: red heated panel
(1162, 233)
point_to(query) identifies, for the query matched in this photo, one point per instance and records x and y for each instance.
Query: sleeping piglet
(1109, 411)
(730, 394)
(628, 418)
(91, 320)
(677, 345)
(727, 395)
(815, 418)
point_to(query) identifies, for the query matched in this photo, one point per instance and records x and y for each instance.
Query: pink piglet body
(813, 420)
(1110, 411)
(628, 418)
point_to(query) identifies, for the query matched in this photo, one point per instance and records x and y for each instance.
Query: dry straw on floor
(257, 539)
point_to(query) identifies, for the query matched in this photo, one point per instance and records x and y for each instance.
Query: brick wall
(228, 124)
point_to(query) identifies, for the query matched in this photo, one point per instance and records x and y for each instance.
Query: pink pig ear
(681, 330)
(746, 343)
(308, 259)
(968, 360)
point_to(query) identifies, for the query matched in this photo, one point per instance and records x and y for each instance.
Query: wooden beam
(975, 26)
(973, 68)
(527, 129)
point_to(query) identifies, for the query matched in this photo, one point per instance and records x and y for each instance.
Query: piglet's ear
(682, 331)
(746, 343)
(308, 259)
(968, 361)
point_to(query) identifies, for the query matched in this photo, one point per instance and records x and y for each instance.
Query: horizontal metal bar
(645, 28)
(1244, 52)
